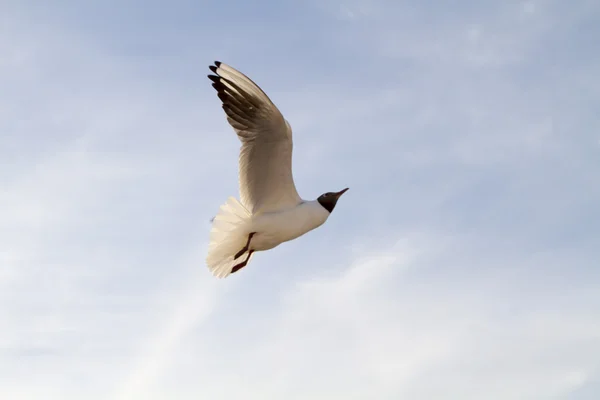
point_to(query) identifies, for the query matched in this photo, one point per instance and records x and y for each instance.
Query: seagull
(270, 211)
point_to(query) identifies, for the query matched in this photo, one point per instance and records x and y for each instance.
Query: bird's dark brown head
(329, 200)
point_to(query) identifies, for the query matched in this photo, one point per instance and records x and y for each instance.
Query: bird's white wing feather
(265, 164)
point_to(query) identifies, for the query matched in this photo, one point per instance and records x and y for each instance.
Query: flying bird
(270, 211)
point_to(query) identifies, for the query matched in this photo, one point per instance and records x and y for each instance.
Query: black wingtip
(219, 87)
(218, 63)
(213, 68)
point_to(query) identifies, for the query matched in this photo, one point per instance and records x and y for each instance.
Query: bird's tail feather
(229, 234)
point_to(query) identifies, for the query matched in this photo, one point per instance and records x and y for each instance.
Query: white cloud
(392, 324)
(89, 260)
(190, 305)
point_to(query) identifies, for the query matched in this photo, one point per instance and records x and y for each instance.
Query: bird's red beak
(341, 192)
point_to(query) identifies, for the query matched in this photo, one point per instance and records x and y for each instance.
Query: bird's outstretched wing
(265, 164)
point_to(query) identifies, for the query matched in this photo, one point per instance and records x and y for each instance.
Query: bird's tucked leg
(241, 265)
(245, 249)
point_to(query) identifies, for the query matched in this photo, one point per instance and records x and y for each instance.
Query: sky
(461, 264)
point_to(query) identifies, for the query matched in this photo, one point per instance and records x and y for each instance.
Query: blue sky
(462, 264)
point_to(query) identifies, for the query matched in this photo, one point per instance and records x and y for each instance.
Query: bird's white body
(274, 228)
(270, 211)
(234, 223)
